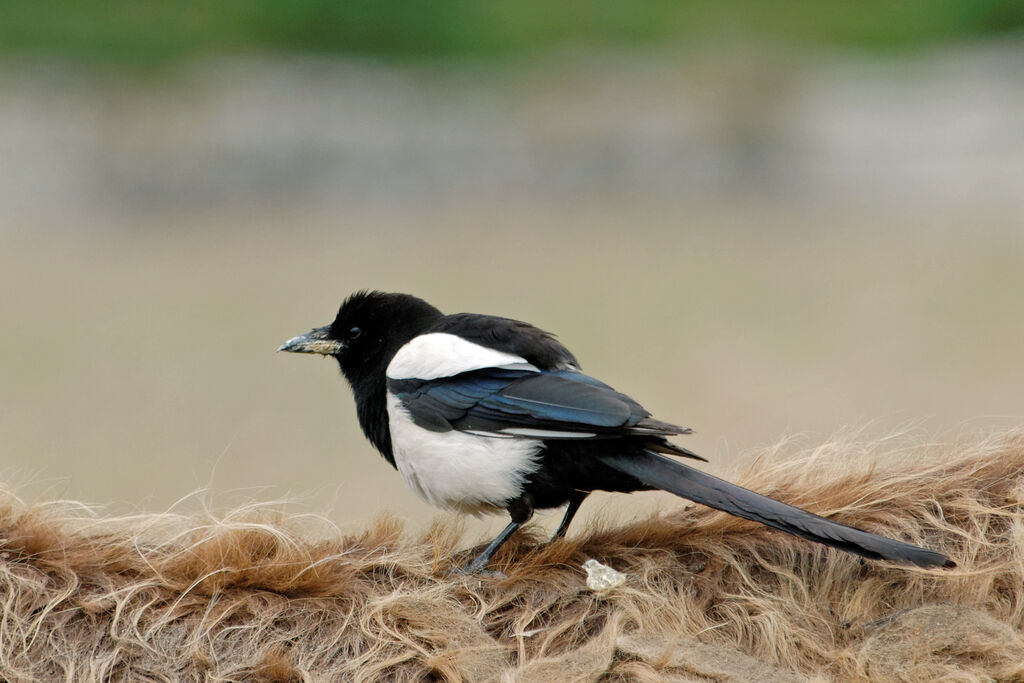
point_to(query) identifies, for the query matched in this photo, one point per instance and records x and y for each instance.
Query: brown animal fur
(261, 596)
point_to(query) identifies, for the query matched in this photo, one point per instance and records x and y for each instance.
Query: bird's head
(369, 328)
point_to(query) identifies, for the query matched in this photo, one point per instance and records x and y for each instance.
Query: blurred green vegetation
(157, 31)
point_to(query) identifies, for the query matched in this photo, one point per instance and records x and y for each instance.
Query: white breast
(466, 472)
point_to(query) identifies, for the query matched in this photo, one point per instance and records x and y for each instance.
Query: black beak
(314, 341)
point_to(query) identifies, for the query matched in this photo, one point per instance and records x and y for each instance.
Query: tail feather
(662, 445)
(675, 477)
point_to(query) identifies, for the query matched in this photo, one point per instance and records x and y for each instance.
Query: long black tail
(675, 477)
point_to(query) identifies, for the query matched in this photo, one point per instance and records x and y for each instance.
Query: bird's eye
(354, 333)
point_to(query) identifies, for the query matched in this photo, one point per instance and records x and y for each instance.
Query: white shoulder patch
(434, 355)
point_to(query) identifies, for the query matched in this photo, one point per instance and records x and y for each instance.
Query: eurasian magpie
(481, 414)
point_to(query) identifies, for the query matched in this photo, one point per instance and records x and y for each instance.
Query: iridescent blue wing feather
(518, 402)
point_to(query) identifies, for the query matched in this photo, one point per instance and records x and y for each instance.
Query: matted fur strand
(258, 595)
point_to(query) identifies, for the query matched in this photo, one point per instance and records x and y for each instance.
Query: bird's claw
(481, 572)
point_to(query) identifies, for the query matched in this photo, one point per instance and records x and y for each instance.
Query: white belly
(455, 470)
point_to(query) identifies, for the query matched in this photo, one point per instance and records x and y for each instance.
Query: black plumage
(480, 412)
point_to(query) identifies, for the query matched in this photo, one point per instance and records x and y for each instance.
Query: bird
(482, 414)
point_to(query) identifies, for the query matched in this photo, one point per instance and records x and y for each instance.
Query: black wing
(509, 402)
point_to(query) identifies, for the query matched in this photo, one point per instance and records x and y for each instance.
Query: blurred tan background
(757, 232)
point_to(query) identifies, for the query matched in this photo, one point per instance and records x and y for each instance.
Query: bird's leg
(570, 512)
(479, 565)
(521, 510)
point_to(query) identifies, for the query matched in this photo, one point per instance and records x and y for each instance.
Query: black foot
(481, 572)
(570, 512)
(478, 566)
(520, 510)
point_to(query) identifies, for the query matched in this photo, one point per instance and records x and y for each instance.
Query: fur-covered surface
(259, 595)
